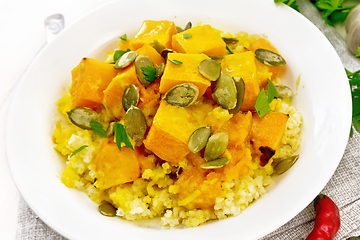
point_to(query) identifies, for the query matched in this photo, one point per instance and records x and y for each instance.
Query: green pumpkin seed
(164, 53)
(218, 163)
(188, 26)
(284, 164)
(130, 97)
(198, 139)
(107, 209)
(216, 57)
(240, 89)
(230, 40)
(182, 95)
(216, 146)
(269, 58)
(110, 129)
(225, 93)
(158, 46)
(135, 123)
(142, 61)
(179, 29)
(81, 117)
(159, 70)
(210, 69)
(283, 91)
(125, 60)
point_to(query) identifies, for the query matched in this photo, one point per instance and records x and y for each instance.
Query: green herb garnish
(358, 52)
(176, 62)
(149, 72)
(185, 36)
(119, 53)
(97, 128)
(124, 37)
(78, 150)
(121, 136)
(271, 92)
(262, 105)
(229, 50)
(290, 3)
(354, 81)
(333, 10)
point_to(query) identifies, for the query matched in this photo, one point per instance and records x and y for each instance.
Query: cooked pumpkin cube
(162, 31)
(266, 134)
(187, 72)
(238, 128)
(113, 94)
(199, 188)
(114, 167)
(264, 71)
(239, 164)
(200, 39)
(171, 128)
(243, 65)
(89, 79)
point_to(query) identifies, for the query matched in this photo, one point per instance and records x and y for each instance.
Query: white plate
(323, 97)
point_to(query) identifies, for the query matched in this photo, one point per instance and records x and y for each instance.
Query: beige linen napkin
(343, 188)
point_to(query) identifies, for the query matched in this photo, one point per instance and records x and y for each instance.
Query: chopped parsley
(333, 10)
(121, 136)
(290, 3)
(97, 128)
(78, 150)
(149, 72)
(229, 50)
(124, 37)
(358, 52)
(176, 62)
(262, 105)
(271, 92)
(119, 53)
(185, 36)
(354, 81)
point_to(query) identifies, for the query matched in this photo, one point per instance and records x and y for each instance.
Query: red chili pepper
(327, 221)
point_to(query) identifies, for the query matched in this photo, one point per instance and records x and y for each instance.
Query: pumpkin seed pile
(215, 145)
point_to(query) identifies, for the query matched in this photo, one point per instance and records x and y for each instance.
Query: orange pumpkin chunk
(187, 72)
(267, 131)
(239, 164)
(203, 39)
(89, 79)
(114, 92)
(199, 188)
(238, 128)
(243, 65)
(264, 71)
(162, 31)
(148, 97)
(171, 128)
(114, 167)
